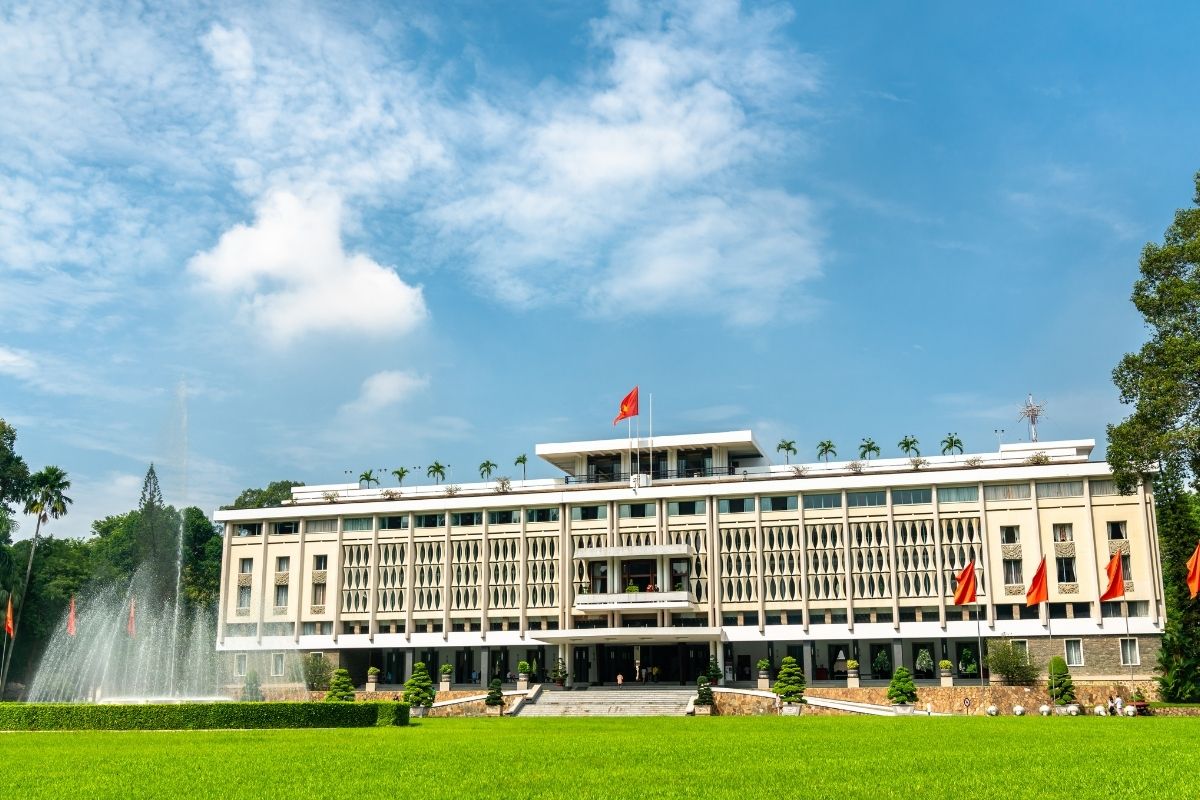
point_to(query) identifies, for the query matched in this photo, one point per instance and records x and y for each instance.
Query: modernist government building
(662, 552)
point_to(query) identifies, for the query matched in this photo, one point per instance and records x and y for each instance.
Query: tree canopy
(274, 495)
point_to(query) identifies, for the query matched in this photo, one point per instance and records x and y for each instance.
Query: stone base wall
(950, 699)
(736, 704)
(1101, 656)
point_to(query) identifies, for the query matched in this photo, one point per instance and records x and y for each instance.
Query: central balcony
(635, 601)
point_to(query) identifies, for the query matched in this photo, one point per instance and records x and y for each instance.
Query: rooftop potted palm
(902, 692)
(764, 673)
(790, 687)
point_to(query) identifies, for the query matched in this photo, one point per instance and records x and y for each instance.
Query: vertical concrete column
(847, 564)
(228, 581)
(760, 565)
(299, 584)
(939, 582)
(410, 576)
(566, 584)
(333, 588)
(804, 593)
(447, 575)
(1150, 531)
(898, 655)
(714, 562)
(263, 599)
(523, 607)
(893, 580)
(994, 578)
(485, 599)
(1091, 554)
(1043, 608)
(373, 578)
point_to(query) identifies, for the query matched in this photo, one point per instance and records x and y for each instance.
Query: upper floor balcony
(635, 601)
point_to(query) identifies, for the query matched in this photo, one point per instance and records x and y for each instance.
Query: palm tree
(46, 500)
(868, 448)
(401, 473)
(826, 449)
(368, 478)
(788, 448)
(909, 445)
(952, 443)
(486, 469)
(437, 471)
(520, 462)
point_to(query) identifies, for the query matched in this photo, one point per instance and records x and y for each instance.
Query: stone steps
(607, 702)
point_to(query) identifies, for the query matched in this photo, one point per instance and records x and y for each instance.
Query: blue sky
(373, 236)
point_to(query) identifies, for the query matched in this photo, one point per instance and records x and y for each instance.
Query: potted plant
(559, 673)
(946, 668)
(494, 702)
(764, 673)
(713, 673)
(523, 675)
(418, 690)
(446, 670)
(790, 687)
(703, 706)
(901, 691)
(852, 673)
(924, 663)
(1060, 685)
(372, 678)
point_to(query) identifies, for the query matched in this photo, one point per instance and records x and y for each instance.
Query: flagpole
(978, 633)
(652, 436)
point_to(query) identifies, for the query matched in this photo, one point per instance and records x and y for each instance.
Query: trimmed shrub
(418, 690)
(704, 695)
(198, 716)
(523, 666)
(341, 690)
(252, 691)
(1062, 688)
(764, 665)
(1011, 663)
(447, 669)
(902, 689)
(495, 697)
(946, 664)
(713, 673)
(790, 683)
(317, 672)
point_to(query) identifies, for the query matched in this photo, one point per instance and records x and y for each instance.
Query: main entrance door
(667, 663)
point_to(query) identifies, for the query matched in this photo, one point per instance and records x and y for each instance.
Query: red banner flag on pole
(1193, 575)
(964, 592)
(1116, 579)
(71, 618)
(1038, 592)
(131, 626)
(629, 406)
(8, 621)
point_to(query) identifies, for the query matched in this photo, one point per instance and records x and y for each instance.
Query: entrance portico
(597, 656)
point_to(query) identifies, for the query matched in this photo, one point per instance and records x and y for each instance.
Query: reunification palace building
(658, 553)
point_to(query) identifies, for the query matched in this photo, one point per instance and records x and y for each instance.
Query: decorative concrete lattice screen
(356, 562)
(697, 540)
(783, 560)
(826, 580)
(962, 543)
(739, 573)
(427, 575)
(916, 565)
(541, 565)
(870, 558)
(590, 539)
(390, 593)
(465, 562)
(638, 537)
(504, 555)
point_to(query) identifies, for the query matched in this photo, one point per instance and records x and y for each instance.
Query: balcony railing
(634, 600)
(658, 475)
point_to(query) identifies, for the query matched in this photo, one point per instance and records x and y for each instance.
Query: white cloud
(384, 389)
(230, 51)
(293, 276)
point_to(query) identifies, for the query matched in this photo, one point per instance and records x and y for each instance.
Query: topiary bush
(1011, 663)
(341, 689)
(790, 683)
(523, 667)
(418, 689)
(713, 673)
(495, 697)
(446, 669)
(198, 716)
(902, 689)
(704, 694)
(1060, 685)
(252, 690)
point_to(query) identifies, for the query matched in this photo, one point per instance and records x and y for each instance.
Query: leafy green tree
(274, 495)
(1178, 514)
(825, 449)
(788, 448)
(1059, 683)
(317, 672)
(521, 461)
(418, 689)
(790, 683)
(437, 471)
(401, 473)
(908, 446)
(867, 449)
(14, 475)
(486, 469)
(252, 689)
(951, 444)
(1011, 663)
(368, 478)
(902, 689)
(882, 665)
(156, 536)
(341, 689)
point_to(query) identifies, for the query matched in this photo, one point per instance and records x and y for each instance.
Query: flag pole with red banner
(1116, 590)
(964, 594)
(626, 411)
(71, 618)
(8, 629)
(1193, 573)
(1038, 593)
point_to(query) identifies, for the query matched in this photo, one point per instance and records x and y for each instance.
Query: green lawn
(762, 758)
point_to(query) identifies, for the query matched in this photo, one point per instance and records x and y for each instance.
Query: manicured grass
(740, 757)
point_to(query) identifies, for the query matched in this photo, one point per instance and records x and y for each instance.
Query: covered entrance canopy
(652, 655)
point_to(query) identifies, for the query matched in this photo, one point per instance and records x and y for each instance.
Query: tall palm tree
(952, 443)
(46, 501)
(437, 471)
(368, 478)
(401, 473)
(868, 448)
(826, 449)
(788, 448)
(520, 462)
(909, 445)
(486, 469)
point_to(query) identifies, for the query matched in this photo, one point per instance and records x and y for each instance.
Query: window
(1012, 571)
(685, 508)
(429, 520)
(911, 497)
(358, 524)
(1139, 608)
(1010, 534)
(785, 502)
(1066, 570)
(318, 594)
(509, 517)
(736, 505)
(1006, 491)
(243, 597)
(282, 563)
(241, 629)
(1126, 573)
(1116, 530)
(1060, 489)
(816, 501)
(276, 665)
(316, 629)
(1103, 487)
(281, 596)
(860, 499)
(541, 515)
(1074, 652)
(466, 519)
(291, 526)
(958, 494)
(638, 510)
(1063, 532)
(245, 566)
(1021, 646)
(393, 523)
(1110, 609)
(239, 665)
(321, 526)
(589, 512)
(1130, 657)
(248, 529)
(680, 568)
(320, 561)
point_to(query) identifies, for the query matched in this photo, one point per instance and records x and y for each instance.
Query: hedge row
(198, 716)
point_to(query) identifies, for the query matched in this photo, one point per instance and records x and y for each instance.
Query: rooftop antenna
(1033, 412)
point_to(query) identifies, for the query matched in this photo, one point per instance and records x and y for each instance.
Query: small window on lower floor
(1074, 652)
(239, 665)
(276, 665)
(1022, 646)
(1130, 657)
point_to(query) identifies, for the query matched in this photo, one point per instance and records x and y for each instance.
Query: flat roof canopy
(563, 454)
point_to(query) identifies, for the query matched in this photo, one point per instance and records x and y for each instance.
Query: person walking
(620, 680)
